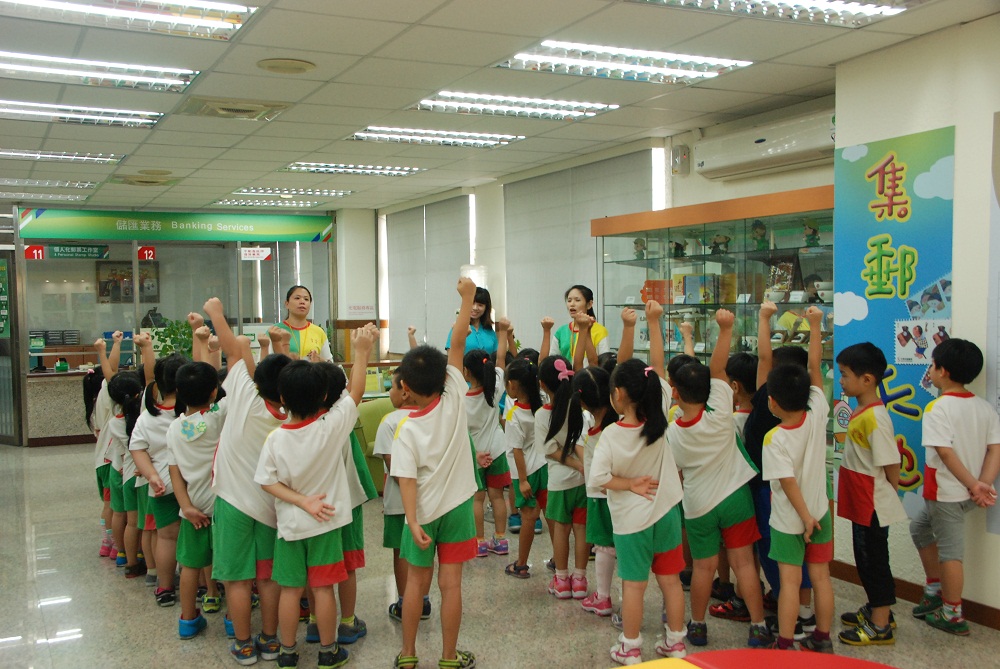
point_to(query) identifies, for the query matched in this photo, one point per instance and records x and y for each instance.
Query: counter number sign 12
(147, 253)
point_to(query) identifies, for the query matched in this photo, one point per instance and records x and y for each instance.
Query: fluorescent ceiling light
(507, 105)
(301, 204)
(311, 192)
(46, 183)
(611, 62)
(94, 72)
(37, 111)
(61, 156)
(212, 20)
(479, 140)
(360, 170)
(829, 12)
(50, 197)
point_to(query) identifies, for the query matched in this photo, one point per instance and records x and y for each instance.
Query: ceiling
(377, 58)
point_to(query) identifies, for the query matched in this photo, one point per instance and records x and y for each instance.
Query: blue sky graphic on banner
(892, 274)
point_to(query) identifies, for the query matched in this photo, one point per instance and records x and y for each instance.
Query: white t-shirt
(484, 420)
(250, 419)
(150, 435)
(308, 457)
(191, 444)
(103, 410)
(432, 446)
(356, 489)
(116, 441)
(740, 420)
(624, 452)
(798, 451)
(391, 499)
(869, 446)
(965, 423)
(704, 447)
(520, 434)
(591, 437)
(561, 477)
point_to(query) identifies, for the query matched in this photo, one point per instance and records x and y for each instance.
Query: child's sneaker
(958, 626)
(288, 658)
(550, 564)
(351, 633)
(560, 587)
(396, 610)
(816, 645)
(866, 634)
(759, 637)
(722, 591)
(312, 633)
(303, 609)
(594, 604)
(514, 523)
(254, 600)
(799, 633)
(201, 592)
(135, 570)
(120, 559)
(482, 549)
(331, 659)
(685, 577)
(856, 618)
(578, 585)
(538, 526)
(211, 604)
(189, 629)
(150, 580)
(463, 660)
(244, 652)
(770, 602)
(267, 647)
(228, 624)
(678, 650)
(498, 546)
(622, 654)
(697, 633)
(928, 604)
(426, 612)
(732, 609)
(165, 596)
(106, 543)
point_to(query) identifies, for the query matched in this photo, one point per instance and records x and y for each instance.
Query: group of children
(684, 470)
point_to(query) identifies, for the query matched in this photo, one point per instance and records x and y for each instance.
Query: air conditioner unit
(797, 142)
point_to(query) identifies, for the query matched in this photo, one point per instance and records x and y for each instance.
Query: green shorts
(568, 506)
(146, 521)
(793, 549)
(243, 547)
(392, 531)
(453, 538)
(656, 548)
(539, 482)
(730, 523)
(317, 561)
(194, 547)
(352, 537)
(497, 475)
(131, 502)
(165, 510)
(102, 481)
(600, 531)
(115, 484)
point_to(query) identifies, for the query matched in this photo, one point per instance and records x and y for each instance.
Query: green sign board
(4, 301)
(143, 226)
(63, 251)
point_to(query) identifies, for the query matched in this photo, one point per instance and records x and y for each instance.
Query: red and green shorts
(317, 561)
(539, 482)
(730, 523)
(147, 522)
(392, 531)
(497, 475)
(793, 549)
(656, 548)
(567, 506)
(194, 547)
(102, 481)
(115, 486)
(453, 539)
(243, 547)
(131, 501)
(600, 531)
(352, 537)
(165, 510)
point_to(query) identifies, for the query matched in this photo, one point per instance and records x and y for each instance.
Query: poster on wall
(892, 272)
(993, 315)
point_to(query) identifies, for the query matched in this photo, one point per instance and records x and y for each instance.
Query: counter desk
(55, 409)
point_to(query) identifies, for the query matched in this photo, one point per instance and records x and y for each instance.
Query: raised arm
(362, 340)
(653, 312)
(511, 340)
(764, 358)
(687, 335)
(467, 289)
(720, 354)
(231, 346)
(543, 350)
(101, 347)
(215, 352)
(583, 324)
(280, 338)
(587, 341)
(199, 342)
(144, 343)
(815, 317)
(627, 346)
(503, 325)
(411, 335)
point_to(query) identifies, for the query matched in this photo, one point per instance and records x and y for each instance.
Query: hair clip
(485, 360)
(564, 371)
(648, 370)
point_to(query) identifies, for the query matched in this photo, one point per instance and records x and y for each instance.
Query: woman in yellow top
(308, 340)
(579, 299)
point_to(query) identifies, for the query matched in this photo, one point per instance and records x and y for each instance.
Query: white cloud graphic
(939, 181)
(854, 153)
(849, 307)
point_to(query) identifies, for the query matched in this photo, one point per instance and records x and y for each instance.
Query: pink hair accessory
(564, 371)
(648, 370)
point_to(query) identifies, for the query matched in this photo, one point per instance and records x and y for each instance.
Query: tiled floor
(62, 606)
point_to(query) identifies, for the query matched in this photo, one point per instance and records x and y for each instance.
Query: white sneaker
(624, 655)
(488, 514)
(678, 650)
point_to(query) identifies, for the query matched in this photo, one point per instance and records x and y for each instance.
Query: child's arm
(264, 342)
(892, 475)
(653, 312)
(101, 347)
(199, 343)
(361, 342)
(815, 317)
(687, 335)
(583, 323)
(144, 465)
(231, 345)
(794, 494)
(503, 325)
(408, 488)
(311, 504)
(985, 494)
(192, 513)
(764, 358)
(280, 338)
(543, 350)
(144, 343)
(627, 346)
(467, 289)
(215, 351)
(411, 335)
(511, 341)
(114, 357)
(644, 486)
(720, 354)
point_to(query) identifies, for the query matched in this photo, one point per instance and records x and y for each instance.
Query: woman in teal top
(481, 332)
(579, 299)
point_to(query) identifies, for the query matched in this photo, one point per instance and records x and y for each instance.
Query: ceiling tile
(281, 144)
(700, 99)
(89, 133)
(837, 50)
(610, 91)
(499, 81)
(39, 37)
(367, 97)
(756, 40)
(457, 47)
(136, 163)
(184, 151)
(770, 78)
(936, 15)
(514, 17)
(242, 87)
(411, 74)
(642, 117)
(353, 116)
(11, 132)
(209, 139)
(150, 49)
(408, 11)
(633, 25)
(591, 132)
(284, 30)
(243, 59)
(767, 104)
(306, 130)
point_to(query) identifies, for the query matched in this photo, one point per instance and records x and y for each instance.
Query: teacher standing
(308, 340)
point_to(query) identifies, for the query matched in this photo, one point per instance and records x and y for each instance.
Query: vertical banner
(892, 275)
(993, 311)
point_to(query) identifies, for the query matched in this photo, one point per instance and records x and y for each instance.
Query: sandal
(411, 662)
(463, 660)
(517, 571)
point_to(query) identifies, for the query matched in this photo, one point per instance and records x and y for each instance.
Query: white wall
(947, 78)
(357, 258)
(490, 249)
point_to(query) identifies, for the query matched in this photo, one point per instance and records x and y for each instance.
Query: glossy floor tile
(64, 607)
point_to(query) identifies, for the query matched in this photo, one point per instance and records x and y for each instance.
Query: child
(867, 493)
(485, 388)
(531, 485)
(392, 502)
(795, 463)
(125, 388)
(139, 556)
(302, 465)
(636, 467)
(434, 466)
(718, 508)
(98, 411)
(961, 433)
(244, 521)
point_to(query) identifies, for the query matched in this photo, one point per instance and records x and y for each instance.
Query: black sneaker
(722, 591)
(166, 596)
(813, 644)
(288, 659)
(856, 618)
(866, 634)
(426, 612)
(800, 632)
(331, 659)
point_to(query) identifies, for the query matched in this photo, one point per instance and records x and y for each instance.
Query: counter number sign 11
(147, 253)
(36, 252)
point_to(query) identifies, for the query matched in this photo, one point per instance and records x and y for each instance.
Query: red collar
(597, 430)
(304, 327)
(681, 422)
(797, 425)
(861, 410)
(277, 413)
(427, 409)
(475, 391)
(965, 394)
(522, 405)
(307, 421)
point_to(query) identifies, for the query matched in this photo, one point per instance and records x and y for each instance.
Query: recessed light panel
(290, 192)
(301, 204)
(358, 170)
(39, 197)
(479, 140)
(826, 12)
(507, 105)
(94, 72)
(46, 183)
(61, 156)
(37, 111)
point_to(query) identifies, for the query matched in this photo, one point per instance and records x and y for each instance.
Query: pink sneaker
(593, 604)
(483, 550)
(560, 588)
(678, 650)
(624, 655)
(578, 584)
(113, 550)
(106, 544)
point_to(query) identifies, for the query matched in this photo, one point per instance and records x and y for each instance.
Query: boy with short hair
(867, 493)
(433, 463)
(961, 433)
(794, 458)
